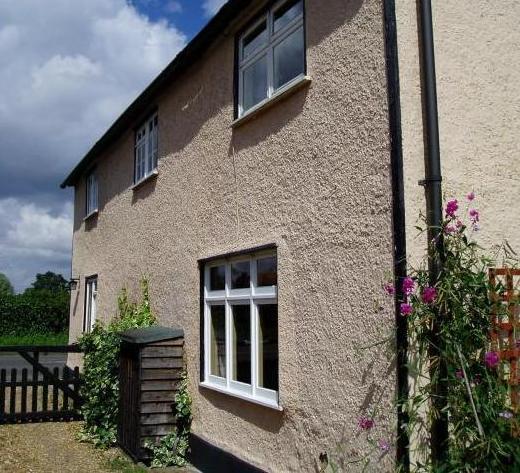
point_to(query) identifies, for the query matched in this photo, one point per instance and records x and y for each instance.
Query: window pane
(217, 278)
(288, 58)
(268, 346)
(255, 83)
(218, 341)
(266, 271)
(240, 275)
(254, 40)
(241, 342)
(288, 12)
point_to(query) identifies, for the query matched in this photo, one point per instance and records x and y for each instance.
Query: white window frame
(91, 193)
(273, 39)
(90, 303)
(252, 296)
(146, 149)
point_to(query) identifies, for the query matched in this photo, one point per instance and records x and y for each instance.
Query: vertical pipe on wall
(399, 232)
(433, 193)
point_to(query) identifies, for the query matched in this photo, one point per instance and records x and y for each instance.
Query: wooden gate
(39, 393)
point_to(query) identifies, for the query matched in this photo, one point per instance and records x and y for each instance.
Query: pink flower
(429, 294)
(384, 446)
(474, 215)
(389, 288)
(492, 359)
(459, 374)
(459, 223)
(470, 196)
(365, 423)
(408, 285)
(406, 309)
(449, 229)
(451, 208)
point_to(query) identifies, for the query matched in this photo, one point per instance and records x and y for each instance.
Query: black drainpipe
(433, 191)
(399, 233)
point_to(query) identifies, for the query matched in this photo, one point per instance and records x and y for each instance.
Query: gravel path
(52, 448)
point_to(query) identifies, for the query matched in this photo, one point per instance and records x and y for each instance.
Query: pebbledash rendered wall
(477, 56)
(312, 175)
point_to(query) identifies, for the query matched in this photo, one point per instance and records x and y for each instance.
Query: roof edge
(185, 58)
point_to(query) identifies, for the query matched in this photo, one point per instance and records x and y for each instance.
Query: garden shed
(151, 367)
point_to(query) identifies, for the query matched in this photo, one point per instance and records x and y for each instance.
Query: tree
(6, 288)
(51, 282)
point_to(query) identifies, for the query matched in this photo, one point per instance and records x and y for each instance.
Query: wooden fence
(39, 393)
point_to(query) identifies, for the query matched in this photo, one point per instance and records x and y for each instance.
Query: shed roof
(156, 333)
(189, 55)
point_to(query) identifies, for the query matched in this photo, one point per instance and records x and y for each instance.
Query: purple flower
(408, 285)
(459, 374)
(389, 288)
(492, 359)
(459, 223)
(506, 415)
(451, 208)
(365, 423)
(471, 196)
(406, 309)
(429, 295)
(384, 445)
(474, 215)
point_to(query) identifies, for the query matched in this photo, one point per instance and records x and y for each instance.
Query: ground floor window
(90, 303)
(241, 326)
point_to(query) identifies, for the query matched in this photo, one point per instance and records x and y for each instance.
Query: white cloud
(211, 7)
(67, 70)
(33, 239)
(173, 7)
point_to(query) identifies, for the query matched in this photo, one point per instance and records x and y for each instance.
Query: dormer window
(146, 149)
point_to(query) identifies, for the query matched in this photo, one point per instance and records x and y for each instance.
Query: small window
(271, 54)
(92, 194)
(146, 149)
(241, 327)
(90, 304)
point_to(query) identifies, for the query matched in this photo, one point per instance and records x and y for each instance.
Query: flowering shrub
(479, 413)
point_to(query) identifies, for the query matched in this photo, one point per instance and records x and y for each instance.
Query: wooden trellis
(505, 332)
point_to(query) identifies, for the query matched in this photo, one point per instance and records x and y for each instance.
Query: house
(266, 183)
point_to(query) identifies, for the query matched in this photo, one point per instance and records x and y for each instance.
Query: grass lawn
(35, 339)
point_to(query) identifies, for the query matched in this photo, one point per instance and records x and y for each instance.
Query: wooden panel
(162, 363)
(157, 407)
(160, 385)
(157, 352)
(157, 396)
(166, 374)
(165, 429)
(156, 419)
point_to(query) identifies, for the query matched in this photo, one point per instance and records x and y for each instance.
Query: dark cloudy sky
(68, 68)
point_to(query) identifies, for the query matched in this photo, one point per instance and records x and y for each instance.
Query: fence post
(12, 406)
(24, 392)
(35, 384)
(3, 376)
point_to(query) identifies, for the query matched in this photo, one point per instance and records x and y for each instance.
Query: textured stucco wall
(311, 174)
(477, 52)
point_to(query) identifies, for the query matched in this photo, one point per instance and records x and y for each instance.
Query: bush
(100, 390)
(35, 311)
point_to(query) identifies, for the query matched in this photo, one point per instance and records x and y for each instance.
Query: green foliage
(49, 281)
(478, 401)
(172, 449)
(6, 288)
(35, 339)
(124, 465)
(34, 312)
(101, 368)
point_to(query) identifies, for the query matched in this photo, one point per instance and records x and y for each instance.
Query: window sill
(144, 180)
(90, 215)
(280, 94)
(245, 397)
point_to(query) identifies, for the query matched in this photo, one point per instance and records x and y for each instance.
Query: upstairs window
(146, 149)
(92, 194)
(241, 327)
(271, 55)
